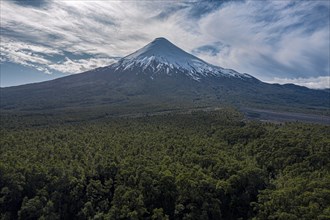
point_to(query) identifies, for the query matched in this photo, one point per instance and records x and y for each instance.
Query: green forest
(201, 165)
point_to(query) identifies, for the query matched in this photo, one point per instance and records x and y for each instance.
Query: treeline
(190, 166)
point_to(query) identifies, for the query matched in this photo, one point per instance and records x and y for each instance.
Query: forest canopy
(203, 165)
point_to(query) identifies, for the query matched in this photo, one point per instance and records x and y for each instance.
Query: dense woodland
(203, 165)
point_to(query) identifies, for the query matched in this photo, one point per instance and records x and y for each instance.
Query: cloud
(30, 36)
(321, 82)
(100, 27)
(213, 49)
(82, 65)
(25, 54)
(279, 38)
(283, 39)
(42, 58)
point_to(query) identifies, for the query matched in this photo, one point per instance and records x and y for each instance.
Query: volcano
(161, 56)
(160, 76)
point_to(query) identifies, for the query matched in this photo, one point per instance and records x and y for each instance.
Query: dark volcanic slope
(158, 76)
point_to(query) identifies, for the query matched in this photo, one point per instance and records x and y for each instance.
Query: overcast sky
(276, 41)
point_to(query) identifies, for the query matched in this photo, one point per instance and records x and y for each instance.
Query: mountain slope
(161, 56)
(159, 76)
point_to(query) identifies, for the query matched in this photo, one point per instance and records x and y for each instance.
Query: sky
(278, 41)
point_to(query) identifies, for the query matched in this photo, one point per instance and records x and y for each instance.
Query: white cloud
(270, 39)
(321, 82)
(112, 28)
(24, 53)
(82, 65)
(31, 55)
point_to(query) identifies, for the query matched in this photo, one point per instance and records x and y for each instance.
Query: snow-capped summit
(161, 56)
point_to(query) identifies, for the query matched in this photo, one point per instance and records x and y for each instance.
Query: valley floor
(275, 116)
